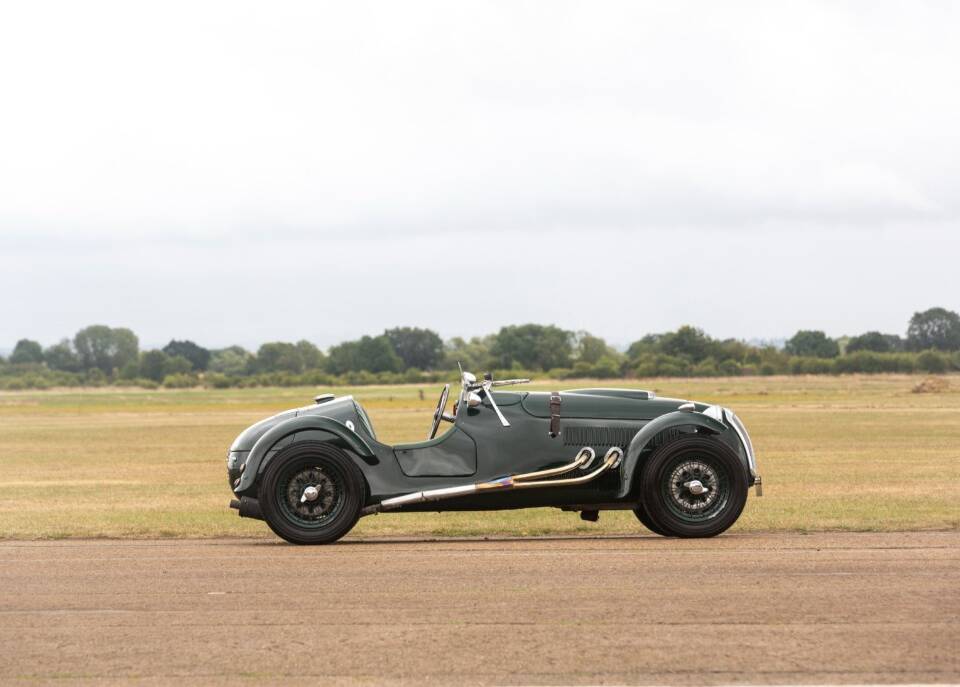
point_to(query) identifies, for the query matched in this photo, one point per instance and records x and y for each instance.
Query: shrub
(607, 367)
(706, 368)
(803, 365)
(731, 368)
(659, 365)
(96, 377)
(933, 361)
(217, 380)
(179, 381)
(145, 383)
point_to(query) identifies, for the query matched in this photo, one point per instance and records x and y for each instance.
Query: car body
(311, 472)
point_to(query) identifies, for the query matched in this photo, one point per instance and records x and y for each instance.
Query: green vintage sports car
(683, 468)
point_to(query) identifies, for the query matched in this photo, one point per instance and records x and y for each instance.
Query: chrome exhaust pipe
(583, 459)
(610, 461)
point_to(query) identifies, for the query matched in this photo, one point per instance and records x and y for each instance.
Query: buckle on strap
(555, 401)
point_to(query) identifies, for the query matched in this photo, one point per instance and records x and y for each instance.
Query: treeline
(99, 355)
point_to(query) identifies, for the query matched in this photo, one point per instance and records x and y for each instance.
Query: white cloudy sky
(241, 172)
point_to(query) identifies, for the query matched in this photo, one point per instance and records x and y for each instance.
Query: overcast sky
(239, 172)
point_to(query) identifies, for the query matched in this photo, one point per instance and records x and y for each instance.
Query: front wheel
(693, 487)
(641, 512)
(311, 493)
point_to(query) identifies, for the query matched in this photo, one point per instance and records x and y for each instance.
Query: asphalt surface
(771, 608)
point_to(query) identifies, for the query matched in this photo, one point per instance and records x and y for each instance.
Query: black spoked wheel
(693, 487)
(311, 493)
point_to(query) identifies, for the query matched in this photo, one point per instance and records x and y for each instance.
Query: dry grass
(850, 453)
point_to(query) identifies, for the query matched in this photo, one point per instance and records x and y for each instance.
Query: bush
(933, 361)
(607, 367)
(179, 381)
(706, 368)
(803, 365)
(659, 365)
(869, 362)
(217, 380)
(96, 377)
(730, 368)
(144, 383)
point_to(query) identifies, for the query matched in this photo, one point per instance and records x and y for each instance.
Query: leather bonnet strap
(555, 402)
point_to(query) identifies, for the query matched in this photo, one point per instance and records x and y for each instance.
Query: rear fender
(678, 418)
(338, 433)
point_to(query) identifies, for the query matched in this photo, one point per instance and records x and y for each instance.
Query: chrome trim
(741, 431)
(688, 407)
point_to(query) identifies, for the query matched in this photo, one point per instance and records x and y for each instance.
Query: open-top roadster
(684, 468)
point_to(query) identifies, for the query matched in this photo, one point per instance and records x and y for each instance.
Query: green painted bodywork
(478, 448)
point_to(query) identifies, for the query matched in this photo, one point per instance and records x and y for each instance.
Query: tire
(641, 512)
(334, 510)
(667, 487)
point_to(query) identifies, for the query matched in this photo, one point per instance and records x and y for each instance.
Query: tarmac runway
(767, 608)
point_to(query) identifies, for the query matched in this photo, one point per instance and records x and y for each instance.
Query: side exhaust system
(528, 480)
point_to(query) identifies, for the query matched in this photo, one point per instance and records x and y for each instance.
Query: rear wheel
(693, 487)
(311, 493)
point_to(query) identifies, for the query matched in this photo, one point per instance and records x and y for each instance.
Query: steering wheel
(438, 413)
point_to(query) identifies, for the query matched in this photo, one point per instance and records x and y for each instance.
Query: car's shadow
(382, 541)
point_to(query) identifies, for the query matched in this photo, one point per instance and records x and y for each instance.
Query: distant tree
(814, 344)
(198, 356)
(874, 341)
(376, 354)
(590, 349)
(61, 356)
(649, 344)
(344, 357)
(26, 351)
(473, 355)
(370, 353)
(532, 347)
(311, 356)
(934, 328)
(106, 349)
(178, 365)
(420, 348)
(733, 350)
(153, 365)
(688, 342)
(279, 356)
(233, 361)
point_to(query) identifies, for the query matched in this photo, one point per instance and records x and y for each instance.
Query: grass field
(836, 453)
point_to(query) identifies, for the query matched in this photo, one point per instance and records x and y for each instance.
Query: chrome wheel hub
(694, 486)
(311, 494)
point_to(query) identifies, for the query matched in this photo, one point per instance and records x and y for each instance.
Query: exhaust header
(529, 480)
